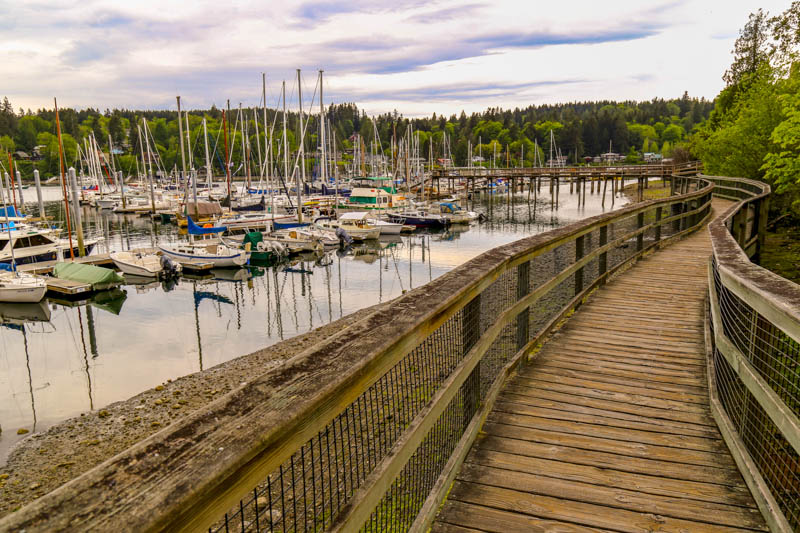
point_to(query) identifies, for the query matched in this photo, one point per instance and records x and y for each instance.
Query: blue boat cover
(10, 211)
(194, 229)
(279, 225)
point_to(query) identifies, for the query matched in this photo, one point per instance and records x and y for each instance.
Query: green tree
(782, 166)
(672, 133)
(750, 49)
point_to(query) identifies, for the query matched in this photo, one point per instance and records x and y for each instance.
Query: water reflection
(61, 358)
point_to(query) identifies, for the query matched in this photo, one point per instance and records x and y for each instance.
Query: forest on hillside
(579, 130)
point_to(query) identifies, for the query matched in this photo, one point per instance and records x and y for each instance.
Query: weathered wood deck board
(609, 428)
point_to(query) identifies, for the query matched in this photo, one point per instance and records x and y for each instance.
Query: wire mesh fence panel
(774, 354)
(309, 489)
(774, 457)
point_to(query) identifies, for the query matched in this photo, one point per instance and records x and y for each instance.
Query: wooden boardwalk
(609, 428)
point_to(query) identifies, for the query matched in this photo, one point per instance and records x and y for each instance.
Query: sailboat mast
(302, 133)
(227, 161)
(208, 161)
(63, 181)
(267, 145)
(150, 162)
(245, 146)
(285, 140)
(323, 161)
(180, 135)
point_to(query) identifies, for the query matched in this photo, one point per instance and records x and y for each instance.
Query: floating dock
(46, 267)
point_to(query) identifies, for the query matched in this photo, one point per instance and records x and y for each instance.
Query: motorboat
(140, 263)
(21, 287)
(386, 227)
(355, 224)
(420, 218)
(214, 252)
(296, 240)
(35, 245)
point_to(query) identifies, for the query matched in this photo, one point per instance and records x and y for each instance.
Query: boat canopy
(194, 229)
(10, 212)
(203, 209)
(98, 277)
(354, 215)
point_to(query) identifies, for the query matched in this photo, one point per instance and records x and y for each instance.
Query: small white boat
(138, 263)
(20, 287)
(296, 240)
(216, 253)
(354, 224)
(108, 202)
(387, 228)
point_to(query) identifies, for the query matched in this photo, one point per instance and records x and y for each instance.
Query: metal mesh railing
(316, 485)
(776, 460)
(756, 361)
(773, 354)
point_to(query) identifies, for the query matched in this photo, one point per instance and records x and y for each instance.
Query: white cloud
(413, 56)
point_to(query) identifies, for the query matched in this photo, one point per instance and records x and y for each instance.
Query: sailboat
(19, 287)
(206, 250)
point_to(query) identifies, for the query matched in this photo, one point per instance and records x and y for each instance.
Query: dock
(67, 287)
(46, 267)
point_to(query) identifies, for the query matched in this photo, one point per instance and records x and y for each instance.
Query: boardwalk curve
(610, 428)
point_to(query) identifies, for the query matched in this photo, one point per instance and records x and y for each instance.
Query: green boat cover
(254, 237)
(98, 277)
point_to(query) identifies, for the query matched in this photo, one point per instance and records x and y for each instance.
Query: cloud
(446, 14)
(83, 52)
(417, 56)
(540, 39)
(462, 91)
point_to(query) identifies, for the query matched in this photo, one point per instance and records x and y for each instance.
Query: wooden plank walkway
(609, 428)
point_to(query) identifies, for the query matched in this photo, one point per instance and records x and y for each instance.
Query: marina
(79, 350)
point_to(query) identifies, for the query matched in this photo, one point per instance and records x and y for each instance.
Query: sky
(413, 56)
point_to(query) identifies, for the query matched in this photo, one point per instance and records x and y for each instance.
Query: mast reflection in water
(58, 359)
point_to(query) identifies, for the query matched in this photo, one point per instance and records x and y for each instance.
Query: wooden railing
(566, 173)
(367, 429)
(754, 355)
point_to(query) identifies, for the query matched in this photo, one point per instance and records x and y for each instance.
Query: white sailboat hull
(23, 289)
(189, 254)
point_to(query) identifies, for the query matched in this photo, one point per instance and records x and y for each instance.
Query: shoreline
(44, 461)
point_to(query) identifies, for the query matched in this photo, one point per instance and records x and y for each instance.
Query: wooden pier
(46, 267)
(610, 427)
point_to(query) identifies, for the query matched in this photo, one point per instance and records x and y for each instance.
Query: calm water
(58, 360)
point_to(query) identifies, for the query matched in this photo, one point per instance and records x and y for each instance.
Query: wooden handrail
(187, 475)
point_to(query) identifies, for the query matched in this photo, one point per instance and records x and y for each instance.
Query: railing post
(602, 261)
(640, 237)
(763, 214)
(523, 288)
(470, 333)
(578, 257)
(675, 211)
(658, 225)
